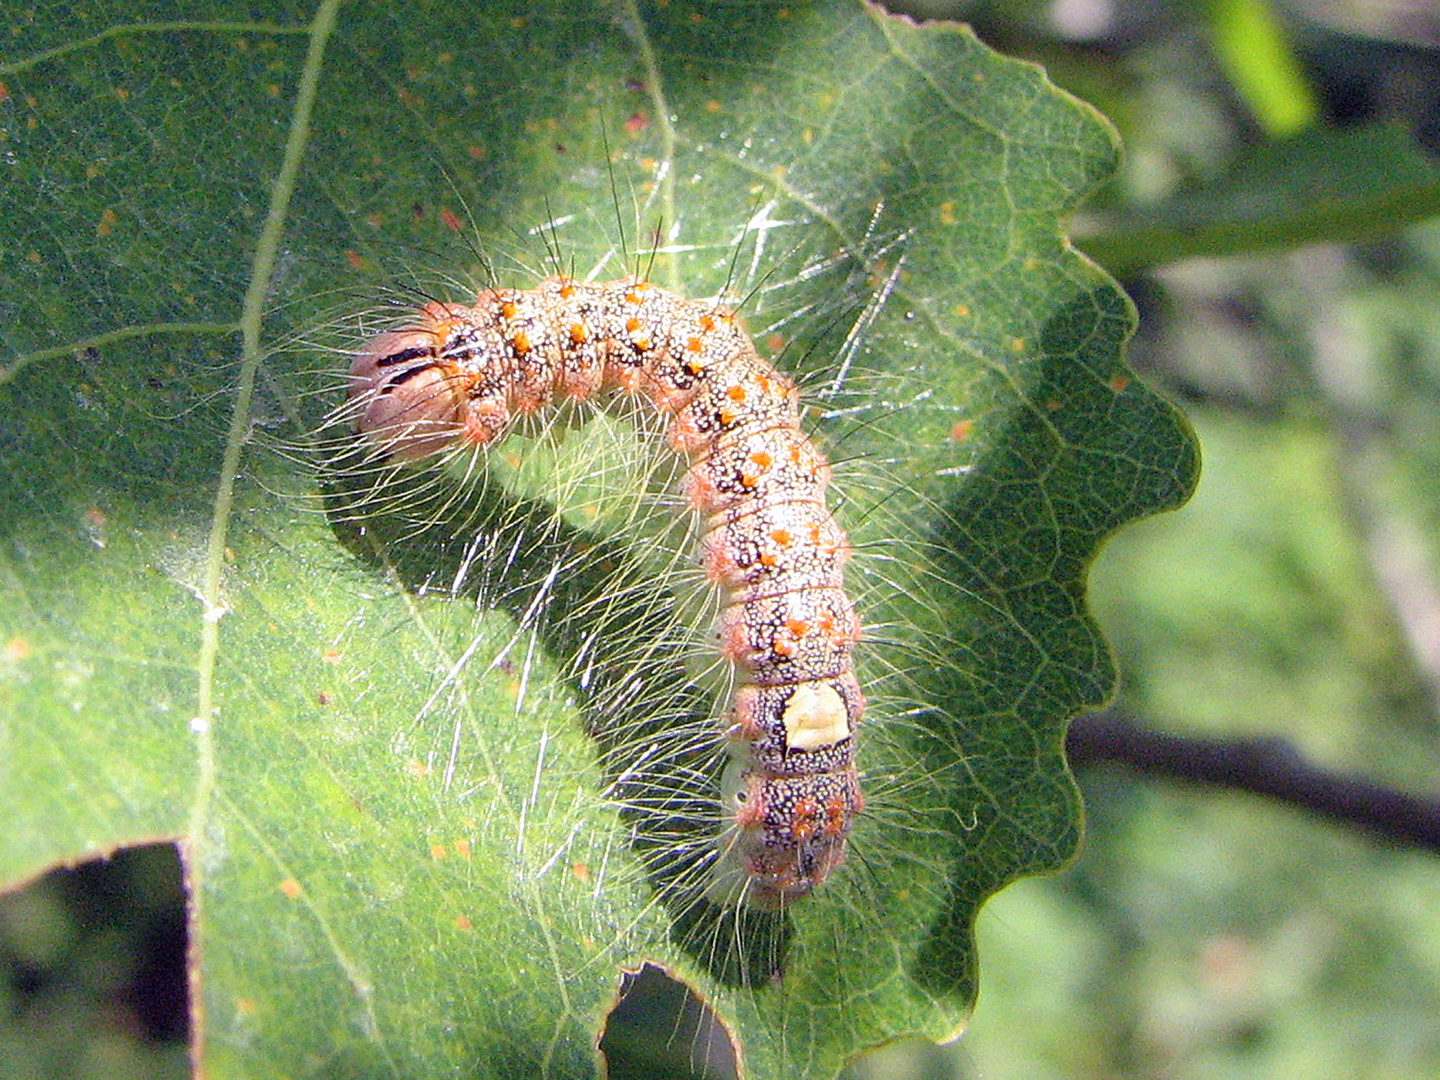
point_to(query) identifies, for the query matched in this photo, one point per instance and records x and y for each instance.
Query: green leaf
(411, 838)
(1324, 185)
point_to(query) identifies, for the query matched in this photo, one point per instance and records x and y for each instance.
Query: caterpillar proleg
(463, 374)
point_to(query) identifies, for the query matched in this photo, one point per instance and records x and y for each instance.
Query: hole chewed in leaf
(659, 1026)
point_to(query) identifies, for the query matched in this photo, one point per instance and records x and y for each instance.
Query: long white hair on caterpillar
(496, 425)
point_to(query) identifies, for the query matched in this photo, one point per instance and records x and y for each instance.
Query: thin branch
(1262, 766)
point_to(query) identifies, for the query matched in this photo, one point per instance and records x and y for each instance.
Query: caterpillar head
(413, 392)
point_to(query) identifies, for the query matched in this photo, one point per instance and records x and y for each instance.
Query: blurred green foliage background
(1203, 932)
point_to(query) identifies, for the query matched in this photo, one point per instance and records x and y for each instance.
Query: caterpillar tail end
(787, 834)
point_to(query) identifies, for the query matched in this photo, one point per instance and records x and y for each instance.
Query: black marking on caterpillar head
(402, 356)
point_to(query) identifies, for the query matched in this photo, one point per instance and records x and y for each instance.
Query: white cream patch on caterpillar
(464, 374)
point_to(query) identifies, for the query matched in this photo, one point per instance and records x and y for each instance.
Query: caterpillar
(465, 374)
